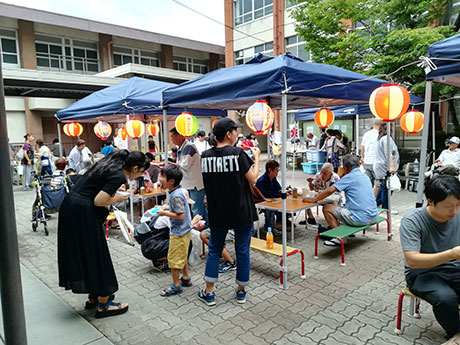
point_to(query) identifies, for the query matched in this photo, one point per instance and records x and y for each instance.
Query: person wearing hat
(228, 173)
(450, 156)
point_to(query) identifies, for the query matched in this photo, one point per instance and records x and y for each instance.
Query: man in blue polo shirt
(360, 208)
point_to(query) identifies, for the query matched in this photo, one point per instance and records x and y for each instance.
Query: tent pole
(389, 175)
(426, 124)
(357, 134)
(283, 185)
(433, 144)
(165, 134)
(131, 186)
(61, 149)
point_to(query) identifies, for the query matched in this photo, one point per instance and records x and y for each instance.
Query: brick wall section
(26, 40)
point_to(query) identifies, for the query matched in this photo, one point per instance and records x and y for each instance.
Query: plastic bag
(20, 153)
(395, 183)
(195, 254)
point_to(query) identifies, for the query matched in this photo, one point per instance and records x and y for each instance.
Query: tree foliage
(374, 36)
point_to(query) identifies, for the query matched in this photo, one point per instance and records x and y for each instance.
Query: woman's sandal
(106, 312)
(173, 290)
(91, 305)
(186, 282)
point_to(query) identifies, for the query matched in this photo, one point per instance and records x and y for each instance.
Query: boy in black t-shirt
(227, 176)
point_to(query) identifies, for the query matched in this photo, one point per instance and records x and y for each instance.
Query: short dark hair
(40, 142)
(69, 171)
(81, 142)
(172, 173)
(201, 134)
(351, 161)
(271, 164)
(175, 149)
(174, 130)
(322, 130)
(442, 186)
(149, 156)
(55, 141)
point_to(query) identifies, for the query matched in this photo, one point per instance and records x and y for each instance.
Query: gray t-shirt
(421, 233)
(380, 166)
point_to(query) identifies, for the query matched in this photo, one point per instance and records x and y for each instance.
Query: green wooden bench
(346, 230)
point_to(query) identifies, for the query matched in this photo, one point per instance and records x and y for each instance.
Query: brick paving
(355, 304)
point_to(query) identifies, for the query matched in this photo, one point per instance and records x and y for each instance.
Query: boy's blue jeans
(242, 249)
(199, 207)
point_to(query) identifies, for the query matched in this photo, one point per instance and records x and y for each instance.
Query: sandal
(91, 305)
(106, 312)
(173, 290)
(186, 282)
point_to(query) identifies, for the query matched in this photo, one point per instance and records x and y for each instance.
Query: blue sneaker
(227, 266)
(208, 298)
(240, 296)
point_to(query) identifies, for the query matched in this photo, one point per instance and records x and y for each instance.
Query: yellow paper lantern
(134, 128)
(412, 121)
(260, 117)
(186, 124)
(153, 129)
(324, 117)
(102, 130)
(73, 129)
(389, 102)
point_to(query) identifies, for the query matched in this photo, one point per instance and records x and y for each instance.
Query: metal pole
(433, 144)
(426, 124)
(165, 134)
(283, 185)
(389, 175)
(127, 137)
(61, 148)
(357, 135)
(14, 322)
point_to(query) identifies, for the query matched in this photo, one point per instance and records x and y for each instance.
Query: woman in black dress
(84, 260)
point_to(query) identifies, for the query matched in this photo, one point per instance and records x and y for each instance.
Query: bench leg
(388, 226)
(107, 222)
(302, 264)
(364, 231)
(398, 329)
(342, 249)
(377, 228)
(316, 246)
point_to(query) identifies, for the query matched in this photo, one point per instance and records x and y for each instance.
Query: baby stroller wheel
(46, 230)
(34, 226)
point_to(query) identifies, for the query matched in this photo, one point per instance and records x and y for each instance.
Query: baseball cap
(454, 140)
(224, 125)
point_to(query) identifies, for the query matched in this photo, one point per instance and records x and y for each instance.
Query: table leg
(292, 229)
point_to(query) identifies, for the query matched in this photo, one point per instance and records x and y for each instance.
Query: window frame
(18, 56)
(267, 10)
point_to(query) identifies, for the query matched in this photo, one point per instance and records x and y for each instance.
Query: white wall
(61, 31)
(16, 125)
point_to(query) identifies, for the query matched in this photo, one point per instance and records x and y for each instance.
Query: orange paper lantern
(213, 123)
(73, 129)
(102, 130)
(122, 133)
(324, 117)
(134, 129)
(153, 129)
(389, 102)
(412, 121)
(259, 117)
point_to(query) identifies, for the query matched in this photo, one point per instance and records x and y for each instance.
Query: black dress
(84, 261)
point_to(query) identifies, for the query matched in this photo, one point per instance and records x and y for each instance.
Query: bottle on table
(416, 165)
(269, 238)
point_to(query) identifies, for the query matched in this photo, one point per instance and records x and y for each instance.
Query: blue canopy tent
(285, 82)
(445, 54)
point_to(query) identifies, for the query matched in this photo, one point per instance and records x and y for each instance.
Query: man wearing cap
(188, 160)
(368, 151)
(227, 176)
(450, 156)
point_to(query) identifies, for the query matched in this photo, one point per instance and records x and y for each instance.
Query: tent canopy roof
(267, 77)
(447, 72)
(116, 101)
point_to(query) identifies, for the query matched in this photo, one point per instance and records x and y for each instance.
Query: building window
(188, 64)
(248, 10)
(9, 49)
(296, 46)
(123, 55)
(455, 9)
(66, 55)
(245, 55)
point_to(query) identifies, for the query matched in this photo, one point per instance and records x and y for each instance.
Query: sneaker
(227, 266)
(323, 229)
(240, 296)
(332, 243)
(208, 298)
(161, 266)
(311, 221)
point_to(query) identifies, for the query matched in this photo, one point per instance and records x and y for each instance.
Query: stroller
(48, 200)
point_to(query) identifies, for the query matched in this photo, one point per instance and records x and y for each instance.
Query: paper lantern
(134, 129)
(73, 129)
(153, 129)
(122, 133)
(259, 117)
(214, 123)
(186, 124)
(102, 130)
(324, 117)
(412, 121)
(389, 102)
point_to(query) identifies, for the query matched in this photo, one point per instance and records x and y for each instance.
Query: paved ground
(355, 304)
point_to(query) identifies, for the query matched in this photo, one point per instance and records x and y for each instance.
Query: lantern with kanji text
(186, 124)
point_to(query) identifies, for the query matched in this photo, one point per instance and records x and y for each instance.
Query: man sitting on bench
(360, 208)
(430, 239)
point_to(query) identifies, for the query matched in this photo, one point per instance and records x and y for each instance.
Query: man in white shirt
(75, 157)
(314, 141)
(450, 156)
(368, 151)
(201, 143)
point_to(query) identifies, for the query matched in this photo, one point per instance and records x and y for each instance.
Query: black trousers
(441, 288)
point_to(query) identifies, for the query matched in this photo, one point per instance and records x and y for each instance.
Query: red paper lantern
(259, 117)
(389, 102)
(102, 130)
(153, 129)
(73, 129)
(324, 117)
(134, 129)
(412, 121)
(122, 133)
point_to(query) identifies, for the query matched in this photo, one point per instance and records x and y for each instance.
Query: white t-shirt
(44, 151)
(448, 157)
(201, 145)
(314, 143)
(369, 140)
(120, 143)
